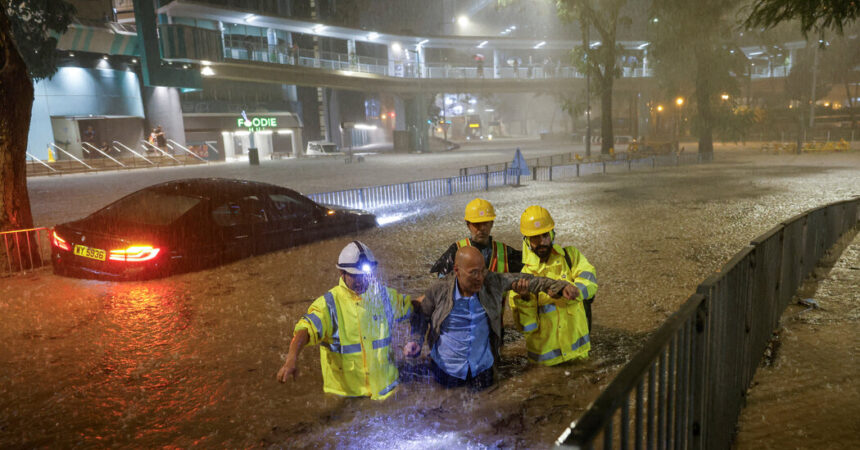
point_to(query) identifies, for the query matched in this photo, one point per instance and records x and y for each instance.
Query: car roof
(214, 187)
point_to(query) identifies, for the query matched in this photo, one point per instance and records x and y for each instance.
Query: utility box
(253, 157)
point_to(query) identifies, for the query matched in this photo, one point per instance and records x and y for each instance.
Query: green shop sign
(257, 123)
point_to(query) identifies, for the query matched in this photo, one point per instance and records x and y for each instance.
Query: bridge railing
(685, 388)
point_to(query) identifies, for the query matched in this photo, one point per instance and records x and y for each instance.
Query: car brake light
(60, 242)
(135, 253)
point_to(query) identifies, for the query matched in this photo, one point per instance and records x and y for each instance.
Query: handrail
(186, 150)
(212, 147)
(704, 357)
(145, 143)
(103, 153)
(40, 161)
(71, 155)
(132, 151)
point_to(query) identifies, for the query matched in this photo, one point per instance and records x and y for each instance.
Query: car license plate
(88, 252)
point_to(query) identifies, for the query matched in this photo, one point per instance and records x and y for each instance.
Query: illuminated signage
(257, 123)
(474, 125)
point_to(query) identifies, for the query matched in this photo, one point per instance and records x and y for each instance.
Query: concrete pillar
(296, 140)
(161, 106)
(497, 67)
(272, 40)
(393, 60)
(645, 62)
(350, 52)
(422, 64)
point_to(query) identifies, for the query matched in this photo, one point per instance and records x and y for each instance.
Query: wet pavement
(191, 359)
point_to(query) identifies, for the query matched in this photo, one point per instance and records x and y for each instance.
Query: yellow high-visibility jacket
(556, 330)
(354, 335)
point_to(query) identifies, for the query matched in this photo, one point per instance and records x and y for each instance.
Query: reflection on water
(192, 359)
(121, 375)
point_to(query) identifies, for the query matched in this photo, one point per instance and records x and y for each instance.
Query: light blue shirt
(464, 341)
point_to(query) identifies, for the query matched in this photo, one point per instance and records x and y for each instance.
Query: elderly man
(352, 325)
(463, 313)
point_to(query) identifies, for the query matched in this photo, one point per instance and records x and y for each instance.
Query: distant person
(352, 325)
(160, 139)
(90, 135)
(556, 330)
(480, 216)
(463, 314)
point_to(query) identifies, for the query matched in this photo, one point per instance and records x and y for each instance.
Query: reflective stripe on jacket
(498, 261)
(354, 335)
(556, 329)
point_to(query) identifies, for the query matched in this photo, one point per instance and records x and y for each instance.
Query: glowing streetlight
(724, 96)
(463, 21)
(659, 108)
(679, 101)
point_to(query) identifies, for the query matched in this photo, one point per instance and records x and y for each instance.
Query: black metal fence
(686, 387)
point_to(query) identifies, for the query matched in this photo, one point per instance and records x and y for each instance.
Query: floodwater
(191, 360)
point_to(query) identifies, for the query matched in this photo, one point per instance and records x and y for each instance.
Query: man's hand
(570, 292)
(521, 287)
(288, 371)
(411, 349)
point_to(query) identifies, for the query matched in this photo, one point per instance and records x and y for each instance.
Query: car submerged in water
(190, 224)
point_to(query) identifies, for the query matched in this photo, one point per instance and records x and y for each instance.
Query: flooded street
(191, 359)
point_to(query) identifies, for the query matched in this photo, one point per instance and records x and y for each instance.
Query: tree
(817, 15)
(693, 52)
(27, 53)
(600, 61)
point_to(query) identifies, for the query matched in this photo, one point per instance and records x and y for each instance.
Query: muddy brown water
(191, 359)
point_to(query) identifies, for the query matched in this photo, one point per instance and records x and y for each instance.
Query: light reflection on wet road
(191, 359)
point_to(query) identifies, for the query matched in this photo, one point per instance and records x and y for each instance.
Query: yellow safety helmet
(536, 221)
(480, 210)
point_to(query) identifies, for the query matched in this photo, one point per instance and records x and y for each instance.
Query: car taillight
(60, 242)
(135, 253)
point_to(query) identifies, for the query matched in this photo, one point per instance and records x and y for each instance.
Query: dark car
(191, 224)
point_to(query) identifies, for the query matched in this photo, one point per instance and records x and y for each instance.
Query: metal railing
(24, 250)
(686, 387)
(395, 194)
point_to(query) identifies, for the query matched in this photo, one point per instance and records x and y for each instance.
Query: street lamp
(463, 21)
(724, 97)
(680, 102)
(659, 110)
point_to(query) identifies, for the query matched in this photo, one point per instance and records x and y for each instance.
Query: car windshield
(149, 208)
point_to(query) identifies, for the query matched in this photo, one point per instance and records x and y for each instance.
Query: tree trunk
(606, 134)
(704, 107)
(16, 90)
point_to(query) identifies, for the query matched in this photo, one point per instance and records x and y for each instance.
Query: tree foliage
(35, 24)
(814, 15)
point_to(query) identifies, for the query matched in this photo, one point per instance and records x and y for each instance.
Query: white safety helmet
(357, 259)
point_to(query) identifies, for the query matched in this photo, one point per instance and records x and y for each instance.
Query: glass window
(287, 207)
(246, 211)
(149, 208)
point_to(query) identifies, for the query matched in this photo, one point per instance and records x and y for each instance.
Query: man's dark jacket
(439, 301)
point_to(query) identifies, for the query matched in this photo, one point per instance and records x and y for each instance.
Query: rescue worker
(463, 314)
(555, 330)
(352, 324)
(500, 258)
